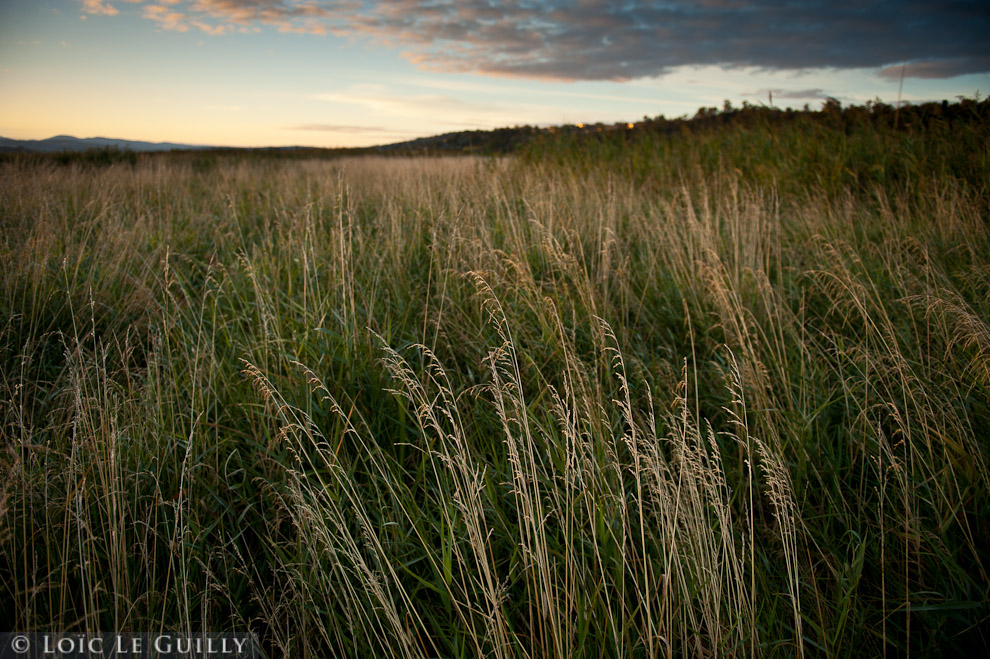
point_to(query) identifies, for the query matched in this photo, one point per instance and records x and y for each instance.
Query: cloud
(591, 40)
(382, 102)
(487, 87)
(285, 15)
(376, 98)
(594, 40)
(791, 94)
(99, 8)
(212, 30)
(335, 128)
(934, 68)
(166, 18)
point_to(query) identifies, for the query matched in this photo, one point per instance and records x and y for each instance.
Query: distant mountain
(69, 143)
(501, 140)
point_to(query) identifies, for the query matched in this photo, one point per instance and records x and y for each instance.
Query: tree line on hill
(875, 115)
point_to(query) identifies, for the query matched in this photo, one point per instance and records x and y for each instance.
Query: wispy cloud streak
(335, 128)
(791, 94)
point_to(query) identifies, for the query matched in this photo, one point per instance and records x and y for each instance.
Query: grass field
(724, 392)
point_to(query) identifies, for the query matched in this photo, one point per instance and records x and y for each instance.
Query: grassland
(718, 391)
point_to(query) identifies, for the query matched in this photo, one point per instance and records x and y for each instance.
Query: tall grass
(523, 407)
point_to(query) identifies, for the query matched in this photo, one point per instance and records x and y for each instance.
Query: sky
(336, 73)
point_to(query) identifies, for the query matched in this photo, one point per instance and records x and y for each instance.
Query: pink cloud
(941, 68)
(99, 8)
(166, 18)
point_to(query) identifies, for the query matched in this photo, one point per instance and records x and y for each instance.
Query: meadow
(722, 390)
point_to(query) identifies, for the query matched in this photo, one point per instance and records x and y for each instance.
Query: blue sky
(355, 73)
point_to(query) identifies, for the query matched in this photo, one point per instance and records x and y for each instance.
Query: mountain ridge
(70, 143)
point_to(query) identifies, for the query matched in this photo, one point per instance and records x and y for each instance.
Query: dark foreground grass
(648, 401)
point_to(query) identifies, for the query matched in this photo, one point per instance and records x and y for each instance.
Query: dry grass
(477, 407)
